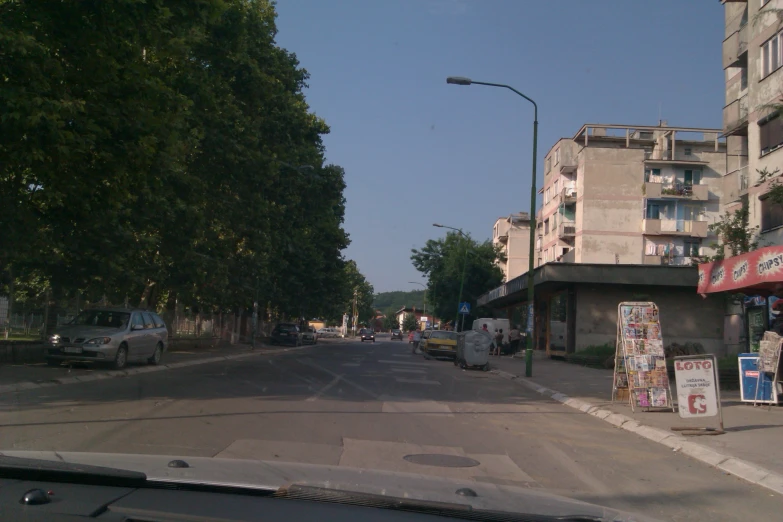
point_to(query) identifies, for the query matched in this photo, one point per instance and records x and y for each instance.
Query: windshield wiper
(444, 509)
(59, 471)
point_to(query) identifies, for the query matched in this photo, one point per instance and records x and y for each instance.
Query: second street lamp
(464, 267)
(461, 80)
(425, 293)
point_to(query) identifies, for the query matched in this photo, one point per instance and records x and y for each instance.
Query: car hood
(275, 475)
(88, 332)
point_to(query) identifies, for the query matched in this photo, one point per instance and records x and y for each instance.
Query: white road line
(417, 381)
(327, 370)
(403, 362)
(324, 389)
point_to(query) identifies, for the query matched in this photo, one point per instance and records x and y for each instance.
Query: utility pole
(355, 309)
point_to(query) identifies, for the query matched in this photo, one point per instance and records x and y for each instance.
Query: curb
(113, 374)
(743, 469)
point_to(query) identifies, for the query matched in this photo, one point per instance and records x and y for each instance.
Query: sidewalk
(752, 434)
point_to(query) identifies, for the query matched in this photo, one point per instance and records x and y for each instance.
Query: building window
(652, 175)
(770, 55)
(770, 134)
(692, 177)
(771, 214)
(557, 156)
(688, 151)
(548, 164)
(692, 248)
(743, 78)
(653, 211)
(556, 185)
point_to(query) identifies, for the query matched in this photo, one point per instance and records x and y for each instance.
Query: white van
(492, 325)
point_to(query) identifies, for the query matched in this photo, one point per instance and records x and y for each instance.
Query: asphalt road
(369, 405)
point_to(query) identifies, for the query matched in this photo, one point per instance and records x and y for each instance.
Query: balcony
(674, 227)
(735, 46)
(566, 230)
(503, 237)
(668, 260)
(568, 194)
(735, 117)
(676, 191)
(735, 185)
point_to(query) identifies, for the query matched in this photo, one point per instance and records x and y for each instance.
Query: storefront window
(558, 332)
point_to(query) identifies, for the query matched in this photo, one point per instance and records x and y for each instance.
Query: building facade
(618, 194)
(512, 235)
(753, 66)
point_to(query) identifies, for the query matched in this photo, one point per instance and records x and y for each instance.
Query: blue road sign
(464, 308)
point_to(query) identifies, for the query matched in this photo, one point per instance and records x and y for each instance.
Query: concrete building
(752, 61)
(620, 194)
(512, 235)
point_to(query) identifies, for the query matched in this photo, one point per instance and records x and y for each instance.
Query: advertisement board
(696, 384)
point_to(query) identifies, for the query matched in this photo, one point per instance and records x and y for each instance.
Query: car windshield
(187, 188)
(105, 318)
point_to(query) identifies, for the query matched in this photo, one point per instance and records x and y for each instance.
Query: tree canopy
(441, 261)
(397, 299)
(161, 149)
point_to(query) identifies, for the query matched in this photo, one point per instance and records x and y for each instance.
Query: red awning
(760, 272)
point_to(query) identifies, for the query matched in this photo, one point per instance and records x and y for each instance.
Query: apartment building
(753, 65)
(512, 235)
(618, 194)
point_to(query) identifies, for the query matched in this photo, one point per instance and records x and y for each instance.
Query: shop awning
(759, 272)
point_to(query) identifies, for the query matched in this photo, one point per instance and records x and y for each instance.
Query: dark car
(396, 334)
(287, 333)
(367, 335)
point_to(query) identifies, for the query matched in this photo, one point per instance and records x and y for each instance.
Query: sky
(418, 151)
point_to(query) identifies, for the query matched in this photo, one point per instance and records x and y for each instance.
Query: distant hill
(398, 299)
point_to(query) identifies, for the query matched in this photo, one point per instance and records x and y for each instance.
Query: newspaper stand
(698, 393)
(768, 362)
(640, 361)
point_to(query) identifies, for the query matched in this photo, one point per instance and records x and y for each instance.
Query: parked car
(440, 342)
(328, 332)
(367, 334)
(286, 333)
(309, 335)
(110, 335)
(396, 334)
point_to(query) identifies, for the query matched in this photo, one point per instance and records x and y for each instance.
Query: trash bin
(473, 349)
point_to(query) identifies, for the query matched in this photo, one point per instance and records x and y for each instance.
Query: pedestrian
(514, 336)
(484, 328)
(498, 341)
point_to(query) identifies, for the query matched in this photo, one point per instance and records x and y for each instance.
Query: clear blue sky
(418, 151)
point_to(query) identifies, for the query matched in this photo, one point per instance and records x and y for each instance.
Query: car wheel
(121, 359)
(155, 359)
(52, 362)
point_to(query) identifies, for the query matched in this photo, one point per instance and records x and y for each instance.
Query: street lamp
(460, 80)
(464, 267)
(425, 293)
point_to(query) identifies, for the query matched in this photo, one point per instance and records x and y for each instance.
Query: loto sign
(698, 393)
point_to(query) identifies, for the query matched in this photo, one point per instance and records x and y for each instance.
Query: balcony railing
(735, 116)
(675, 227)
(734, 46)
(668, 260)
(566, 230)
(676, 189)
(735, 185)
(568, 194)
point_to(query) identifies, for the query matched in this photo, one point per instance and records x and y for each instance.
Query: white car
(325, 333)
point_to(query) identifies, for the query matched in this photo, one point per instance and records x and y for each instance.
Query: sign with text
(697, 386)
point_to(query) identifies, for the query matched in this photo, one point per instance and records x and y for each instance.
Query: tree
(390, 322)
(145, 147)
(398, 299)
(441, 261)
(409, 323)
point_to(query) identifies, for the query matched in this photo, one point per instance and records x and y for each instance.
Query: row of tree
(164, 150)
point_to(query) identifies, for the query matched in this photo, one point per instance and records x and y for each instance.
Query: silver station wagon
(109, 335)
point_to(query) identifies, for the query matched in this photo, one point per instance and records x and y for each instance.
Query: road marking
(417, 381)
(409, 370)
(384, 361)
(324, 389)
(330, 372)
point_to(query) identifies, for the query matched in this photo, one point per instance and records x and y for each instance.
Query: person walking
(514, 336)
(498, 342)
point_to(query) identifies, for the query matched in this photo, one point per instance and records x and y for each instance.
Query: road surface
(369, 405)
